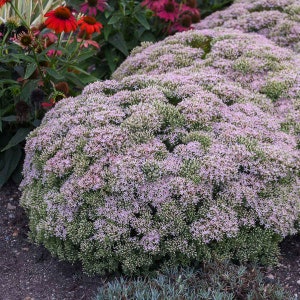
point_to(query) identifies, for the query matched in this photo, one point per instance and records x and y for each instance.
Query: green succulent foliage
(217, 280)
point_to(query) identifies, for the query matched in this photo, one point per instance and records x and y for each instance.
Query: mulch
(29, 272)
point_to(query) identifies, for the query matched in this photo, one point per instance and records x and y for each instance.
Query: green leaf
(8, 81)
(19, 136)
(36, 123)
(114, 19)
(110, 60)
(85, 56)
(79, 69)
(54, 74)
(9, 160)
(29, 70)
(29, 86)
(148, 37)
(7, 109)
(23, 57)
(142, 20)
(9, 118)
(119, 43)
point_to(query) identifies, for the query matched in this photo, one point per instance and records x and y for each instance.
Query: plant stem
(19, 15)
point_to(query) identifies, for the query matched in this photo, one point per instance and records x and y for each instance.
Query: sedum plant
(277, 20)
(168, 169)
(220, 59)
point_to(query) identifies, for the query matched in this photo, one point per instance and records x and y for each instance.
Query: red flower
(61, 19)
(91, 6)
(168, 11)
(2, 2)
(89, 25)
(48, 105)
(53, 52)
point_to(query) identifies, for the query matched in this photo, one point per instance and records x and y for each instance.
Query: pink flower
(53, 52)
(154, 5)
(91, 6)
(169, 10)
(87, 43)
(48, 105)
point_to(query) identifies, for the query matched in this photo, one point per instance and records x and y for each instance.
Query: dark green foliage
(207, 7)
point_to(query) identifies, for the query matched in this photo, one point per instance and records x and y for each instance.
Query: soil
(29, 272)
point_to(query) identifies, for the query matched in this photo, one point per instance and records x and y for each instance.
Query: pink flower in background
(87, 43)
(154, 5)
(91, 6)
(53, 52)
(169, 10)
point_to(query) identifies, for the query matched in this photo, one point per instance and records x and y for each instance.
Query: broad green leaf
(9, 160)
(9, 118)
(54, 74)
(106, 32)
(30, 70)
(85, 56)
(8, 81)
(114, 19)
(110, 60)
(29, 86)
(142, 20)
(7, 109)
(19, 136)
(79, 69)
(23, 57)
(36, 123)
(148, 37)
(119, 43)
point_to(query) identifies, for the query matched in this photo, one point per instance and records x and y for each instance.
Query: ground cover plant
(211, 281)
(200, 139)
(277, 20)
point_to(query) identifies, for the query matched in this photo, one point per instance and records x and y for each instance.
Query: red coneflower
(61, 19)
(89, 25)
(2, 2)
(91, 6)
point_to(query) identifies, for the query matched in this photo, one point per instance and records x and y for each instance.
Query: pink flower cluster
(179, 15)
(277, 20)
(191, 144)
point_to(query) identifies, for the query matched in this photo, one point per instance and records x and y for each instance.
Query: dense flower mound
(225, 62)
(147, 171)
(250, 59)
(277, 20)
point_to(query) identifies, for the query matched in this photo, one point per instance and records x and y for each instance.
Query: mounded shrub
(277, 20)
(235, 66)
(149, 171)
(249, 59)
